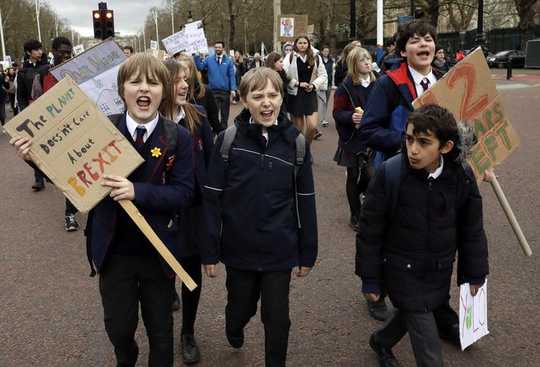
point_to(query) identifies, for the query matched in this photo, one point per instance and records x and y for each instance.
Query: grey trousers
(422, 331)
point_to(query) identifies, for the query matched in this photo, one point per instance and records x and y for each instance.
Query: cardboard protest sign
(95, 71)
(74, 143)
(292, 26)
(468, 91)
(189, 40)
(473, 322)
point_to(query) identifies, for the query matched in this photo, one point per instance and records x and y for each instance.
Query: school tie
(425, 84)
(139, 140)
(219, 60)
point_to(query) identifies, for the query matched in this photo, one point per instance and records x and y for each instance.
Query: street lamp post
(2, 36)
(37, 20)
(156, 22)
(480, 35)
(172, 16)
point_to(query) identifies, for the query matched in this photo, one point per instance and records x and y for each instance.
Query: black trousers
(244, 288)
(70, 208)
(125, 282)
(190, 299)
(423, 334)
(223, 102)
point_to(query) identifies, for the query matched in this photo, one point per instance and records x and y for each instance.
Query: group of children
(248, 201)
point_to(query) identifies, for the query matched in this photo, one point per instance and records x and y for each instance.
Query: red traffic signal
(103, 20)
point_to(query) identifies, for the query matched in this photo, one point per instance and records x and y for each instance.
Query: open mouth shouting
(143, 102)
(267, 114)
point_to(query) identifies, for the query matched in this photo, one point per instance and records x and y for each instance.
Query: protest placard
(74, 143)
(468, 91)
(95, 71)
(189, 40)
(154, 45)
(473, 321)
(79, 49)
(292, 26)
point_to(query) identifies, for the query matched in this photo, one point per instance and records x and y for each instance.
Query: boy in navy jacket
(131, 272)
(261, 213)
(422, 206)
(383, 124)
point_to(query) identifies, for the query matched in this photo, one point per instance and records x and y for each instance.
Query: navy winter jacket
(390, 102)
(253, 210)
(409, 250)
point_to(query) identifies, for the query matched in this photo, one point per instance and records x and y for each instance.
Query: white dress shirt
(435, 175)
(149, 126)
(417, 77)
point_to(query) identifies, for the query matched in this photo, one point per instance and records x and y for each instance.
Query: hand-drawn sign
(190, 40)
(95, 71)
(74, 143)
(473, 322)
(468, 91)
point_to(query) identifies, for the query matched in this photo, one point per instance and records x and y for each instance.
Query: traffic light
(103, 20)
(98, 25)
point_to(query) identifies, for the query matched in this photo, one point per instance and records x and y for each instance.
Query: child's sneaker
(71, 224)
(384, 355)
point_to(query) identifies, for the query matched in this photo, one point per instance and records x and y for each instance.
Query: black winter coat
(192, 221)
(25, 80)
(252, 207)
(410, 251)
(208, 101)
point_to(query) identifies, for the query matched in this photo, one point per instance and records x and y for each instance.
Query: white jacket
(319, 78)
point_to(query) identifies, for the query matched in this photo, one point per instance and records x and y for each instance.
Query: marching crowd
(243, 195)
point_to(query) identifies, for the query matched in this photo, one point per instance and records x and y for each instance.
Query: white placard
(190, 40)
(79, 49)
(473, 321)
(153, 45)
(103, 90)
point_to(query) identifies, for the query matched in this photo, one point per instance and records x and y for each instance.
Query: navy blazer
(166, 189)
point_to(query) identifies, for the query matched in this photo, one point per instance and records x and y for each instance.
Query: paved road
(51, 313)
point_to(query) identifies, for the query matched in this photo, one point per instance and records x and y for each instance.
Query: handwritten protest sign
(95, 71)
(468, 91)
(292, 26)
(74, 143)
(190, 40)
(473, 322)
(154, 45)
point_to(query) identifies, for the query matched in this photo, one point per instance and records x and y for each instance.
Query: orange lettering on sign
(468, 108)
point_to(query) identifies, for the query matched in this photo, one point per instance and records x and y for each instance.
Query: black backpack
(394, 173)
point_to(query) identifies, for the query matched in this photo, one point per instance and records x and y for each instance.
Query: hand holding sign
(78, 148)
(468, 91)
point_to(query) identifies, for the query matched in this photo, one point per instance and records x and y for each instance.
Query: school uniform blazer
(167, 187)
(319, 77)
(389, 105)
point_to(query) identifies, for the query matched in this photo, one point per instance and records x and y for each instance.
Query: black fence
(496, 39)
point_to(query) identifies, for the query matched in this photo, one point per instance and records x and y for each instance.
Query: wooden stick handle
(143, 225)
(510, 215)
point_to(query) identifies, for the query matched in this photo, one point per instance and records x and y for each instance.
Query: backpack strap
(228, 138)
(393, 173)
(300, 143)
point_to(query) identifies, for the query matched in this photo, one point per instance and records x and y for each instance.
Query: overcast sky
(129, 15)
